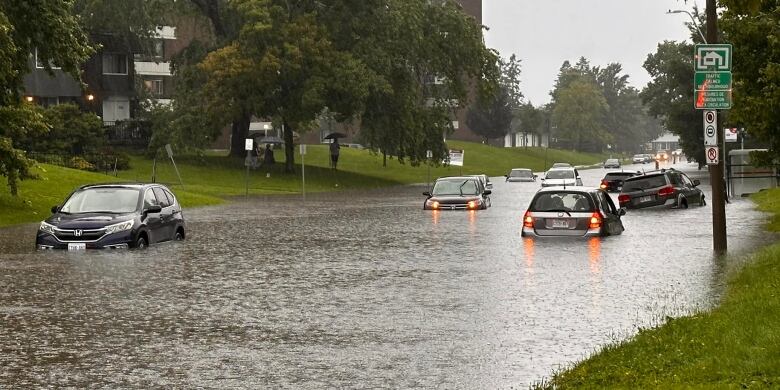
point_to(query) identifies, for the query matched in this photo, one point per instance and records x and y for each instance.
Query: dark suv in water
(665, 188)
(113, 216)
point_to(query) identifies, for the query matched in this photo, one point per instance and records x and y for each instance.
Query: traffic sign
(715, 58)
(730, 134)
(711, 154)
(713, 100)
(712, 81)
(248, 144)
(710, 128)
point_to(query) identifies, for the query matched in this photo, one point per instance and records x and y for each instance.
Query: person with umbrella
(334, 148)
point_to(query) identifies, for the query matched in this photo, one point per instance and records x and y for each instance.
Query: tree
(579, 114)
(529, 119)
(752, 27)
(491, 117)
(60, 41)
(71, 131)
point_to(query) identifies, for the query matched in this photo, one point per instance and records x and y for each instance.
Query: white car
(562, 177)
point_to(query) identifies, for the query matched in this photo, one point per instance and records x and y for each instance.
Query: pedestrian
(268, 156)
(253, 154)
(334, 153)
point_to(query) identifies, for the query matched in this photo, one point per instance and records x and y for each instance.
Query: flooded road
(352, 290)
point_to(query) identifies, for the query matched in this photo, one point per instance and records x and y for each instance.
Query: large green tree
(579, 115)
(51, 27)
(753, 28)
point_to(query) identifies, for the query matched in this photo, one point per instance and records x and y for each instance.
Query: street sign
(428, 154)
(710, 128)
(712, 100)
(303, 149)
(248, 144)
(714, 58)
(456, 157)
(730, 134)
(711, 154)
(169, 150)
(712, 81)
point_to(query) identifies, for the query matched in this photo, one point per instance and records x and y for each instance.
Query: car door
(577, 178)
(611, 213)
(693, 194)
(168, 223)
(153, 221)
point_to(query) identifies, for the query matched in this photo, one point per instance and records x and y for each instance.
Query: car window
(560, 174)
(110, 200)
(686, 180)
(675, 178)
(644, 182)
(149, 199)
(562, 201)
(171, 198)
(160, 195)
(607, 205)
(618, 175)
(520, 174)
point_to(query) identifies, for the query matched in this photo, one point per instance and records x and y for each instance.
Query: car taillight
(528, 220)
(604, 184)
(595, 221)
(623, 199)
(666, 191)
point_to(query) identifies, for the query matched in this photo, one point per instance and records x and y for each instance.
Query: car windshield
(560, 174)
(562, 201)
(520, 173)
(612, 160)
(108, 200)
(639, 156)
(455, 187)
(561, 165)
(644, 182)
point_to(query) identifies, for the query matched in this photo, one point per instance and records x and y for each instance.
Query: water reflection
(594, 255)
(435, 215)
(528, 249)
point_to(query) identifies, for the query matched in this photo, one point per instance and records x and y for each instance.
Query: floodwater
(361, 290)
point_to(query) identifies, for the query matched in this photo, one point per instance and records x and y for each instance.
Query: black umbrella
(335, 135)
(269, 139)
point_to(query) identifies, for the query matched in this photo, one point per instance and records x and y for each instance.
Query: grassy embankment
(736, 345)
(208, 180)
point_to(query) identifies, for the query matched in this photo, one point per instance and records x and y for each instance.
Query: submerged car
(113, 216)
(665, 188)
(485, 181)
(612, 163)
(639, 159)
(457, 193)
(613, 181)
(572, 211)
(561, 177)
(520, 174)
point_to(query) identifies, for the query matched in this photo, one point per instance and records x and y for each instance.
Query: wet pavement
(352, 290)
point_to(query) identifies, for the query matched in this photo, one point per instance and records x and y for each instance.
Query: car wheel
(682, 203)
(179, 236)
(141, 243)
(703, 201)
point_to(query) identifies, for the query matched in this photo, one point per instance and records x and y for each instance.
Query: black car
(457, 193)
(572, 212)
(113, 216)
(613, 181)
(665, 188)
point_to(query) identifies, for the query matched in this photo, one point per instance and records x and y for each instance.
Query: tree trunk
(384, 159)
(289, 148)
(239, 132)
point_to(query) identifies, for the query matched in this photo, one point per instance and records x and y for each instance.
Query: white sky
(544, 33)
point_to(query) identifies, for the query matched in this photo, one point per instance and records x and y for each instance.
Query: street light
(681, 11)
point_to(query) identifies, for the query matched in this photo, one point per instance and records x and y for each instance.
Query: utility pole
(720, 244)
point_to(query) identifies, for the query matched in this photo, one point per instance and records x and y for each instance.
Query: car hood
(86, 221)
(454, 199)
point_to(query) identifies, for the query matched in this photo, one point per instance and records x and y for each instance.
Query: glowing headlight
(46, 228)
(120, 227)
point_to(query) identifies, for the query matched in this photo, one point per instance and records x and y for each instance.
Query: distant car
(665, 188)
(662, 155)
(113, 216)
(572, 211)
(649, 157)
(521, 174)
(485, 181)
(457, 193)
(561, 165)
(639, 159)
(561, 177)
(612, 163)
(613, 181)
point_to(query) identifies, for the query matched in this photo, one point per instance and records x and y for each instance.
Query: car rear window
(520, 174)
(562, 201)
(644, 182)
(618, 175)
(560, 174)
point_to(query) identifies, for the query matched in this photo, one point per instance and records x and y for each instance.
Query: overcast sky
(544, 33)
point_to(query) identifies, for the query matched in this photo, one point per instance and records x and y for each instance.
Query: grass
(208, 180)
(736, 345)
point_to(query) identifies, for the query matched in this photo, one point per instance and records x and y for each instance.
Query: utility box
(744, 178)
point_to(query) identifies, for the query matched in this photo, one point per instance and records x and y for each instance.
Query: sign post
(248, 146)
(429, 156)
(170, 155)
(303, 171)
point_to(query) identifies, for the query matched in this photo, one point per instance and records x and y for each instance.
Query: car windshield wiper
(559, 211)
(461, 187)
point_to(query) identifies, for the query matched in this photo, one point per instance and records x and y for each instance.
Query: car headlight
(120, 227)
(46, 228)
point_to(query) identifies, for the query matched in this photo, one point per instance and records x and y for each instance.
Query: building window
(154, 86)
(114, 63)
(39, 63)
(157, 53)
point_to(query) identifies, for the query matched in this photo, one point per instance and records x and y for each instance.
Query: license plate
(560, 224)
(77, 246)
(646, 199)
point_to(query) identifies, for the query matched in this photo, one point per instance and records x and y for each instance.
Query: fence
(95, 162)
(129, 133)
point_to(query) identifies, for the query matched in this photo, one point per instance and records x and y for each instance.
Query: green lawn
(210, 179)
(736, 345)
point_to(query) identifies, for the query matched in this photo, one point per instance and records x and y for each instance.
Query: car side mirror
(621, 212)
(487, 192)
(428, 194)
(154, 209)
(696, 182)
(55, 209)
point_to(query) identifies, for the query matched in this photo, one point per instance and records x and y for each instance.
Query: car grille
(79, 235)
